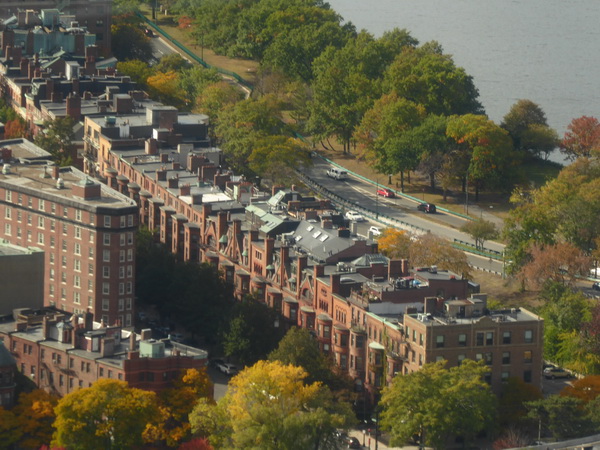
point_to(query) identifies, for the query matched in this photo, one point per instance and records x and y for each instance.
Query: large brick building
(62, 352)
(86, 230)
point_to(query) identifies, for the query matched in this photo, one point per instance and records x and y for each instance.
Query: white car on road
(227, 368)
(375, 231)
(354, 216)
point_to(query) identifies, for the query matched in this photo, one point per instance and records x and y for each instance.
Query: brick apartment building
(95, 15)
(62, 352)
(297, 256)
(86, 230)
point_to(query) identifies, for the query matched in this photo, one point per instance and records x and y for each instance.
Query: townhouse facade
(86, 230)
(64, 352)
(298, 256)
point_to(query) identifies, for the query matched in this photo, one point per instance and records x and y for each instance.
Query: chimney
(151, 146)
(430, 305)
(55, 172)
(20, 326)
(173, 182)
(184, 189)
(221, 224)
(55, 97)
(132, 342)
(107, 346)
(334, 282)
(176, 165)
(17, 54)
(21, 19)
(75, 85)
(74, 106)
(395, 268)
(319, 270)
(146, 334)
(88, 319)
(8, 52)
(164, 158)
(45, 327)
(269, 246)
(24, 66)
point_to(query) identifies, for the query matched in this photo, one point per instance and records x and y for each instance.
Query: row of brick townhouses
(93, 15)
(86, 230)
(65, 352)
(296, 255)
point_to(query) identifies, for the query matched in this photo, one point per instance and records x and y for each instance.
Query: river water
(547, 51)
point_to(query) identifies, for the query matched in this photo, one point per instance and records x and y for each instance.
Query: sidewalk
(369, 441)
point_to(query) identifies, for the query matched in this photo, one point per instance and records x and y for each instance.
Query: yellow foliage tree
(10, 430)
(35, 415)
(109, 414)
(177, 403)
(269, 406)
(164, 87)
(394, 243)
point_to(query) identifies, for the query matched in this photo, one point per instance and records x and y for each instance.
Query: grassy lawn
(243, 67)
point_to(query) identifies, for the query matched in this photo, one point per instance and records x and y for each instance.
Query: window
(77, 249)
(78, 232)
(489, 338)
(479, 338)
(91, 252)
(65, 212)
(121, 289)
(52, 242)
(64, 245)
(121, 304)
(527, 376)
(77, 281)
(40, 222)
(505, 357)
(28, 235)
(123, 221)
(8, 196)
(528, 336)
(462, 340)
(7, 229)
(421, 339)
(51, 258)
(64, 228)
(504, 376)
(28, 219)
(128, 303)
(527, 356)
(129, 271)
(122, 239)
(91, 269)
(53, 208)
(106, 239)
(107, 221)
(90, 285)
(64, 261)
(106, 255)
(63, 277)
(51, 274)
(106, 271)
(105, 304)
(506, 337)
(7, 213)
(78, 214)
(121, 255)
(439, 341)
(130, 255)
(41, 204)
(52, 224)
(106, 288)
(130, 238)
(130, 220)
(30, 202)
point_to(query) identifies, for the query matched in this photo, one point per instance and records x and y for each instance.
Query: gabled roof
(368, 259)
(319, 242)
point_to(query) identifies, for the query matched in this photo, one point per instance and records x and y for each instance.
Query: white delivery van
(338, 174)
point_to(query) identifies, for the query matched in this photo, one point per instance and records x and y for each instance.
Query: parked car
(427, 207)
(556, 372)
(352, 442)
(216, 362)
(354, 216)
(375, 231)
(596, 286)
(228, 368)
(385, 192)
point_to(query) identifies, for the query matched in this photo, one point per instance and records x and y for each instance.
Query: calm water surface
(547, 51)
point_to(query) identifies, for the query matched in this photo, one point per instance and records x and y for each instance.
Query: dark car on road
(427, 207)
(385, 192)
(596, 286)
(556, 372)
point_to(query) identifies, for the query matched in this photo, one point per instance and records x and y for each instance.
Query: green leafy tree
(430, 78)
(436, 403)
(215, 98)
(344, 88)
(564, 417)
(492, 160)
(253, 331)
(277, 157)
(527, 126)
(109, 414)
(57, 139)
(269, 405)
(130, 42)
(480, 230)
(299, 348)
(139, 71)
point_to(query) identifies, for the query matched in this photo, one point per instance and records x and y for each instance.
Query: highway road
(363, 194)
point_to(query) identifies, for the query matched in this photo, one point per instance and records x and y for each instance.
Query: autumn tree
(269, 405)
(15, 128)
(436, 403)
(429, 250)
(582, 138)
(164, 87)
(10, 429)
(277, 157)
(480, 230)
(35, 414)
(138, 71)
(57, 139)
(394, 243)
(585, 389)
(561, 263)
(512, 411)
(109, 414)
(176, 403)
